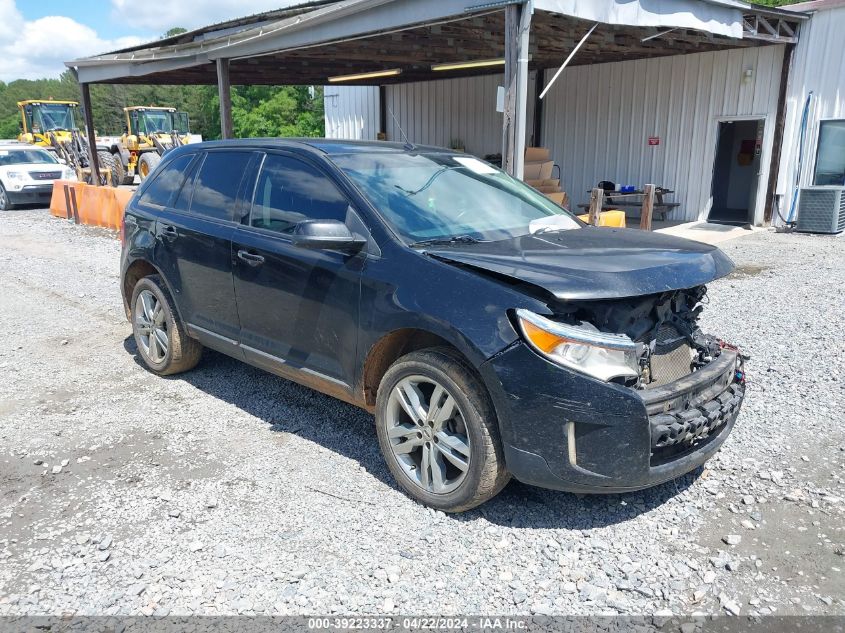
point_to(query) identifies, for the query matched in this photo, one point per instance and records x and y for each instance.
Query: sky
(38, 36)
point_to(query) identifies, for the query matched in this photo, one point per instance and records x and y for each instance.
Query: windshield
(153, 121)
(52, 116)
(19, 156)
(444, 196)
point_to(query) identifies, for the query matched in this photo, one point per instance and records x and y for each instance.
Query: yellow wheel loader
(52, 125)
(150, 132)
(41, 121)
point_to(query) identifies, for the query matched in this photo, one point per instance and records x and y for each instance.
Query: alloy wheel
(151, 326)
(427, 434)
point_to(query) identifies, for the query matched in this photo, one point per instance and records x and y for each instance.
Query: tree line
(256, 110)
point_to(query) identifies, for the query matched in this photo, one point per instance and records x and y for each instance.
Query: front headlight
(68, 174)
(582, 347)
(16, 175)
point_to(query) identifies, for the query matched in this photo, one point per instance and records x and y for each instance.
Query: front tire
(438, 431)
(163, 344)
(108, 161)
(5, 204)
(119, 176)
(147, 163)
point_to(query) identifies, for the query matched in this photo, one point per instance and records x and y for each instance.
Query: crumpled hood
(595, 263)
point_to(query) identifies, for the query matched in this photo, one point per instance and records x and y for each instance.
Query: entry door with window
(298, 307)
(736, 171)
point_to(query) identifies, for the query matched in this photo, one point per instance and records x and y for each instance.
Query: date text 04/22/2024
(480, 623)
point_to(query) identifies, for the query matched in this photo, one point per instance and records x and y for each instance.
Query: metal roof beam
(776, 29)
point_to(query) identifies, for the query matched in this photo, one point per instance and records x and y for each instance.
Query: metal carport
(311, 43)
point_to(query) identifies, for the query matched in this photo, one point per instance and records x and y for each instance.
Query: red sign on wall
(654, 140)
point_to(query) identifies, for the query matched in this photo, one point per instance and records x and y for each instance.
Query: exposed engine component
(667, 325)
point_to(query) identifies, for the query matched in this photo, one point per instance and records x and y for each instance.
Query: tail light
(123, 230)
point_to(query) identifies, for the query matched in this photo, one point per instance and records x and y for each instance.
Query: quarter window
(167, 183)
(217, 184)
(830, 160)
(290, 191)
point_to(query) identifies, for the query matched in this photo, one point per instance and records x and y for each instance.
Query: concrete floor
(707, 232)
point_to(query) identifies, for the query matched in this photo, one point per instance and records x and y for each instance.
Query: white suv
(27, 173)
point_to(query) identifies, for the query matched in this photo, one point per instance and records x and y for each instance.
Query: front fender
(406, 289)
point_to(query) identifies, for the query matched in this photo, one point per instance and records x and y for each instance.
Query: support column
(537, 138)
(517, 33)
(522, 89)
(91, 135)
(512, 12)
(224, 90)
(382, 113)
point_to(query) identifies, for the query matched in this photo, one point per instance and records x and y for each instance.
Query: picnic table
(619, 200)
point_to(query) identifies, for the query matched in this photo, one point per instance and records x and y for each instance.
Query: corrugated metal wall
(440, 112)
(351, 112)
(597, 120)
(447, 110)
(818, 65)
(430, 113)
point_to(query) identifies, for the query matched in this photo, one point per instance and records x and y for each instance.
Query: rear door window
(217, 184)
(183, 200)
(167, 182)
(289, 191)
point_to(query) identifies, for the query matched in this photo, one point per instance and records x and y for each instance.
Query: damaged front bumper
(567, 431)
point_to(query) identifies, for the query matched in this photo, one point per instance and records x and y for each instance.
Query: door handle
(169, 232)
(250, 258)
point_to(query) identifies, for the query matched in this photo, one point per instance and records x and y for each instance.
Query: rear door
(298, 307)
(194, 242)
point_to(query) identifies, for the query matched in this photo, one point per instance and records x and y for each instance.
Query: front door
(298, 307)
(736, 171)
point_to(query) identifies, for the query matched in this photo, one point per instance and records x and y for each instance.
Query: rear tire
(5, 205)
(163, 343)
(447, 453)
(147, 162)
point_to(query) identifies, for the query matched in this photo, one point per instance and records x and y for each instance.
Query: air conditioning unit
(821, 210)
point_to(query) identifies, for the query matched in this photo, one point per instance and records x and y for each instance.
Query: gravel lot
(227, 490)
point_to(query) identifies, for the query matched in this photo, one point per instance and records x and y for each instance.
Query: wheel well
(391, 347)
(136, 272)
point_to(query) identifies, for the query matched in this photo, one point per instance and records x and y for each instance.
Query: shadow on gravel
(349, 431)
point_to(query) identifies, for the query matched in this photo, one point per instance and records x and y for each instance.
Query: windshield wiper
(455, 239)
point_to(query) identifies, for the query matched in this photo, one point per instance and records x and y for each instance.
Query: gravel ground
(227, 490)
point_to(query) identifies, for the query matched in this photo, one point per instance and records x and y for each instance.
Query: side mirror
(331, 235)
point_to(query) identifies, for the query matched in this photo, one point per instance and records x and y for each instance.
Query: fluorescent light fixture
(373, 75)
(477, 64)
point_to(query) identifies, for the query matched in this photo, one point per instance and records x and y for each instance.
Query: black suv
(491, 333)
